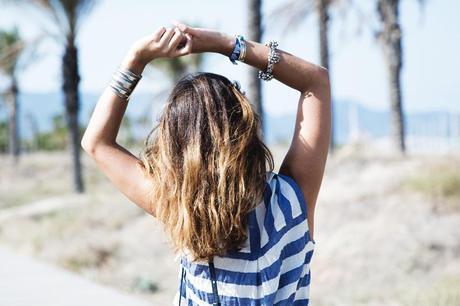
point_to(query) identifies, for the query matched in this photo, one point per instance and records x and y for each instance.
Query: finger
(158, 33)
(183, 41)
(166, 37)
(187, 49)
(176, 39)
(184, 28)
(176, 23)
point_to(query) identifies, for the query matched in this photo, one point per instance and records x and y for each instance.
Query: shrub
(440, 182)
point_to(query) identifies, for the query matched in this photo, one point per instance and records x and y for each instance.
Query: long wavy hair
(208, 165)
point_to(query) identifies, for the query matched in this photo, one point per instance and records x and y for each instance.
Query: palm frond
(75, 11)
(292, 13)
(364, 20)
(11, 46)
(422, 6)
(65, 15)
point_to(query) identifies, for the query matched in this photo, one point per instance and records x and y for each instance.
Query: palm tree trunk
(13, 126)
(33, 126)
(70, 88)
(255, 34)
(390, 38)
(323, 14)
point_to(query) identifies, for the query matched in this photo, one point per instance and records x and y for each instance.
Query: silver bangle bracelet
(242, 56)
(123, 83)
(273, 58)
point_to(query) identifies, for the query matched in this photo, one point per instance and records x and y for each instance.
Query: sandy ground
(379, 242)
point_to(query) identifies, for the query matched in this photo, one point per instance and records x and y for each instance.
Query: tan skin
(306, 158)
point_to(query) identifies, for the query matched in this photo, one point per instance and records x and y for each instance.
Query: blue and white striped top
(274, 266)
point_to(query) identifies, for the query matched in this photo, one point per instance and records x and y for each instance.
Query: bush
(439, 182)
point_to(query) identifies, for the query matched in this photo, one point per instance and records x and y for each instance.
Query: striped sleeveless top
(273, 268)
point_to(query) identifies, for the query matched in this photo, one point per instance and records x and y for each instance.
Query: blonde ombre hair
(208, 165)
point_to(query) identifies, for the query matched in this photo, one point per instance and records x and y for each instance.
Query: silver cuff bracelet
(123, 83)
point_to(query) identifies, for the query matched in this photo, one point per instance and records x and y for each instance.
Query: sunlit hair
(208, 165)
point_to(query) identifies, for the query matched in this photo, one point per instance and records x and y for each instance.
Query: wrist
(133, 62)
(226, 44)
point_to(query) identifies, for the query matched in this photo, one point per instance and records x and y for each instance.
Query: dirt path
(42, 207)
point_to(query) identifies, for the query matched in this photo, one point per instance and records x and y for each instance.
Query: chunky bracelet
(239, 51)
(123, 83)
(273, 58)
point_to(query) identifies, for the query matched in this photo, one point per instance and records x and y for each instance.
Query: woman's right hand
(206, 40)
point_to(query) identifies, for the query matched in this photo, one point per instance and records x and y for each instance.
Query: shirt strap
(182, 278)
(212, 272)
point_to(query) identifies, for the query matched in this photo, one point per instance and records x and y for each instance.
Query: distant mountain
(350, 118)
(39, 109)
(373, 122)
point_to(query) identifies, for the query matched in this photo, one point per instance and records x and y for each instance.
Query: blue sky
(431, 49)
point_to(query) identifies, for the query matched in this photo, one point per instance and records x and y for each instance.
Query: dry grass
(440, 181)
(444, 293)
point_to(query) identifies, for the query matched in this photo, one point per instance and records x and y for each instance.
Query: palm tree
(66, 17)
(295, 11)
(389, 35)
(255, 34)
(11, 47)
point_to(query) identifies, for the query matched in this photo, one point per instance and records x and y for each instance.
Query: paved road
(27, 282)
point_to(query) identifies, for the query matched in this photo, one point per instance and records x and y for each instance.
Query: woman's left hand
(164, 42)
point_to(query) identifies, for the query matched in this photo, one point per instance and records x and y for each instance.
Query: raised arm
(99, 139)
(306, 157)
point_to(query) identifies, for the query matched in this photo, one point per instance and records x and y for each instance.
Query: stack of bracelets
(239, 54)
(239, 51)
(124, 82)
